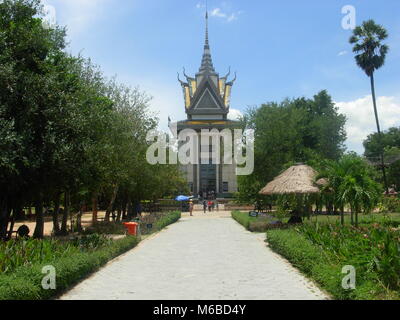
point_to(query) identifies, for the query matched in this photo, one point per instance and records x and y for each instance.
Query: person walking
(209, 206)
(205, 206)
(191, 206)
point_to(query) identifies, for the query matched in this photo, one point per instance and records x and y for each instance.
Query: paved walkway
(199, 258)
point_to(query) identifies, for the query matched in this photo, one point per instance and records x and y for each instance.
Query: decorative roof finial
(206, 63)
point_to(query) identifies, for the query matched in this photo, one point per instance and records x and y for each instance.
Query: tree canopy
(296, 130)
(65, 128)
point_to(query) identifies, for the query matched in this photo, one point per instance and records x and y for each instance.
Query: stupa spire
(206, 62)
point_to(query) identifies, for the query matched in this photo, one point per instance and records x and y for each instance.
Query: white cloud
(50, 15)
(342, 53)
(223, 12)
(361, 118)
(229, 17)
(77, 15)
(235, 114)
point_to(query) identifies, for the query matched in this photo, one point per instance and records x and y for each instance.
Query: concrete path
(199, 258)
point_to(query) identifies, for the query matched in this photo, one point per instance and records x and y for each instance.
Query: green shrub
(25, 283)
(21, 261)
(321, 251)
(371, 249)
(391, 204)
(25, 252)
(253, 224)
(91, 242)
(116, 228)
(166, 220)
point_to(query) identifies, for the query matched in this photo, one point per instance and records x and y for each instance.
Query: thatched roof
(323, 182)
(299, 179)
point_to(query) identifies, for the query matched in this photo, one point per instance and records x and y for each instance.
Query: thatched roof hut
(299, 179)
(323, 182)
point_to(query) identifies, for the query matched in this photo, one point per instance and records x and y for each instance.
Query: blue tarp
(182, 198)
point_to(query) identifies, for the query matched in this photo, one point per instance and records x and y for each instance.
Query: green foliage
(91, 242)
(297, 130)
(253, 224)
(391, 204)
(391, 143)
(27, 252)
(370, 52)
(372, 249)
(25, 283)
(321, 251)
(166, 220)
(351, 183)
(115, 228)
(65, 127)
(21, 261)
(242, 218)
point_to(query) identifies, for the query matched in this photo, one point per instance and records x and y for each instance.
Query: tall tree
(297, 130)
(370, 56)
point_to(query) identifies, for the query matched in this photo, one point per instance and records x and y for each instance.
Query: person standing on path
(205, 206)
(191, 206)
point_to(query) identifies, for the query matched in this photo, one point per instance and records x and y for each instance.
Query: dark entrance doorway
(208, 178)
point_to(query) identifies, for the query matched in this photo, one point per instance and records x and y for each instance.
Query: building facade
(207, 103)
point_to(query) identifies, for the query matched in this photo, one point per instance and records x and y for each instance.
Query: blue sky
(282, 48)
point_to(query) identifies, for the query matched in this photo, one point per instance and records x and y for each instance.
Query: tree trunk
(12, 222)
(4, 217)
(119, 214)
(352, 217)
(67, 200)
(39, 229)
(94, 209)
(130, 209)
(124, 209)
(56, 224)
(79, 218)
(381, 147)
(111, 205)
(342, 216)
(356, 218)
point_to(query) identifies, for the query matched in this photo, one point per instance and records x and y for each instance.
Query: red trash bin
(131, 227)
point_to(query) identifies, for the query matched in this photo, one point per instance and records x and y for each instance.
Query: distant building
(207, 103)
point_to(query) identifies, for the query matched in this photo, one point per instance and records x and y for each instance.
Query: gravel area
(207, 257)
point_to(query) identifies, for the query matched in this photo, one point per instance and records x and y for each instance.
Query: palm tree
(360, 193)
(351, 182)
(370, 56)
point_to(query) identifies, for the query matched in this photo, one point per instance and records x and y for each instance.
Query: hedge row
(168, 219)
(259, 224)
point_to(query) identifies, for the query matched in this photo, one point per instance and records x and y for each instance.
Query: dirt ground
(48, 224)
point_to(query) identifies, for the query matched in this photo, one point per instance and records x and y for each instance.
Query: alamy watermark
(189, 147)
(49, 280)
(349, 281)
(349, 21)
